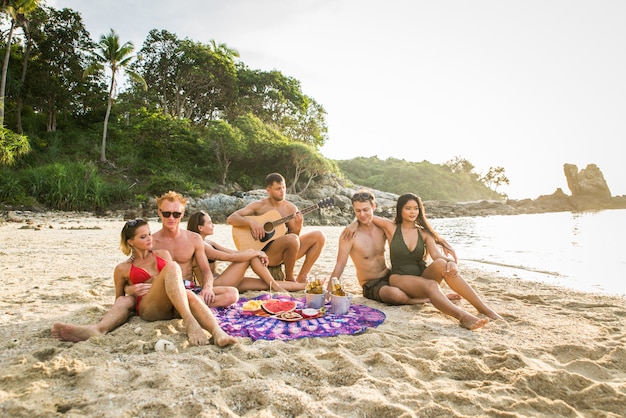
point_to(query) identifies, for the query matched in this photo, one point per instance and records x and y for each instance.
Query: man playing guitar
(282, 248)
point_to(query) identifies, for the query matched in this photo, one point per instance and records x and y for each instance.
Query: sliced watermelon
(275, 306)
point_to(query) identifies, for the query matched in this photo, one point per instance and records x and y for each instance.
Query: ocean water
(583, 251)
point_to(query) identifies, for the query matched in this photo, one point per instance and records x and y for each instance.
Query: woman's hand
(447, 249)
(138, 290)
(265, 260)
(451, 270)
(349, 231)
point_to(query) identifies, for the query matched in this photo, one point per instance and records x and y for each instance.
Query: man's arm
(343, 252)
(294, 225)
(238, 217)
(241, 218)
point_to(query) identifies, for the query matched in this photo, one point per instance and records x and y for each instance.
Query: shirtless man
(366, 248)
(187, 249)
(184, 247)
(290, 247)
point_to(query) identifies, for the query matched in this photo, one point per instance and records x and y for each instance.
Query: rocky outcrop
(587, 183)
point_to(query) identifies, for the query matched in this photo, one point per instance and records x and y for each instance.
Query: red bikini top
(138, 275)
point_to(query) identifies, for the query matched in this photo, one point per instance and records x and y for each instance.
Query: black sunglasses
(134, 222)
(362, 197)
(167, 214)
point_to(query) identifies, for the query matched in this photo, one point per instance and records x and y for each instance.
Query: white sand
(557, 353)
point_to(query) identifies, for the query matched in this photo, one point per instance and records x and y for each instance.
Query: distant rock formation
(588, 183)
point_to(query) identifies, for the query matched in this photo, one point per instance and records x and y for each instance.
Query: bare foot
(222, 339)
(279, 289)
(196, 335)
(472, 322)
(74, 333)
(491, 314)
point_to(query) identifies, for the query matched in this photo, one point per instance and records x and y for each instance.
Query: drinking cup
(340, 305)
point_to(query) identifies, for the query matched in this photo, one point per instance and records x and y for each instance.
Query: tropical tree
(115, 57)
(277, 100)
(495, 177)
(459, 165)
(17, 12)
(61, 47)
(307, 164)
(227, 142)
(159, 66)
(208, 82)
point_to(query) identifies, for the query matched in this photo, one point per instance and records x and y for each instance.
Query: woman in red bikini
(152, 283)
(158, 286)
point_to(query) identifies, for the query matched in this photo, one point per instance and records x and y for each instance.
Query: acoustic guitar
(273, 225)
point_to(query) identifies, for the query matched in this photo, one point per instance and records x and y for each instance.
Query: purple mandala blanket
(241, 324)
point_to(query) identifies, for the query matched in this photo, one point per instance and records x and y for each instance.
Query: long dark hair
(421, 221)
(196, 220)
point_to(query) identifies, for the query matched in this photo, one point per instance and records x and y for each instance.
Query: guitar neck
(287, 218)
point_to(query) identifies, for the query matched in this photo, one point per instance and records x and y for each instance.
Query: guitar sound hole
(267, 237)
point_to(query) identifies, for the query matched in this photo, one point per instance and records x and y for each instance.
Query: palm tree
(115, 57)
(16, 10)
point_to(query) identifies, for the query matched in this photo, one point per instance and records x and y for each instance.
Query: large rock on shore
(588, 183)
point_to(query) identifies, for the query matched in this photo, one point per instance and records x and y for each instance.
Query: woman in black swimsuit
(411, 240)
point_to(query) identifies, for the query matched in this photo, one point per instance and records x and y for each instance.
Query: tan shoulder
(425, 234)
(194, 236)
(123, 267)
(163, 254)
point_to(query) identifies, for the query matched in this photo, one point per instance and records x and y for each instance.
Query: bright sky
(527, 85)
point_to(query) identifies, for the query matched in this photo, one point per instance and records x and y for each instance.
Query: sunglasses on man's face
(167, 214)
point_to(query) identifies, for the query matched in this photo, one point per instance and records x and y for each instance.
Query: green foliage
(12, 145)
(430, 181)
(72, 186)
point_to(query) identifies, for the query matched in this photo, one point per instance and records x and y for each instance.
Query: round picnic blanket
(239, 323)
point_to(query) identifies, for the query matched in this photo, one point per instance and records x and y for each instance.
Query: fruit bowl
(310, 312)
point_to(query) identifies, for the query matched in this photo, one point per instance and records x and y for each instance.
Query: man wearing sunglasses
(187, 249)
(366, 248)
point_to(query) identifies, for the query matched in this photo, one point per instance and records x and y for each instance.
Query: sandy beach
(556, 353)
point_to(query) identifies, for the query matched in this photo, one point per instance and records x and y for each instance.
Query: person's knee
(393, 295)
(319, 237)
(126, 302)
(232, 295)
(292, 240)
(172, 269)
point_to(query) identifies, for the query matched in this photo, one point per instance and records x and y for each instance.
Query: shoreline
(554, 344)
